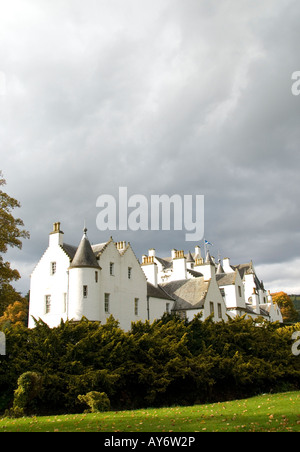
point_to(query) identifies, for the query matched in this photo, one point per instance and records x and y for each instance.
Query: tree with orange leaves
(15, 313)
(288, 311)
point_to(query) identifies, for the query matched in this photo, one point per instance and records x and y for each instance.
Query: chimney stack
(56, 236)
(179, 265)
(150, 269)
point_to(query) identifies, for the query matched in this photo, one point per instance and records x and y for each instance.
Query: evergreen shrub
(97, 401)
(168, 362)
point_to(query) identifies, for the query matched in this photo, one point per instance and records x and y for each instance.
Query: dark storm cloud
(188, 97)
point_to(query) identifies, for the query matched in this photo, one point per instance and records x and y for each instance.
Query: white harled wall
(65, 287)
(80, 304)
(44, 283)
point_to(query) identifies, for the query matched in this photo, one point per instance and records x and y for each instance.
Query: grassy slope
(277, 412)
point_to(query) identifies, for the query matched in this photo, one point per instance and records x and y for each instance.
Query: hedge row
(168, 362)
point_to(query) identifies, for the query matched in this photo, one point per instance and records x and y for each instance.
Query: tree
(288, 311)
(29, 387)
(16, 313)
(8, 296)
(11, 234)
(97, 401)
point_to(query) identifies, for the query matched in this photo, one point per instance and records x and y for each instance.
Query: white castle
(96, 281)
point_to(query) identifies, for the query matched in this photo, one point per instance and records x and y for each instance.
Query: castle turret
(84, 275)
(207, 268)
(190, 261)
(220, 269)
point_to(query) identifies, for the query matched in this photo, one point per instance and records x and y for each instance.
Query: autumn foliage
(11, 235)
(288, 311)
(15, 313)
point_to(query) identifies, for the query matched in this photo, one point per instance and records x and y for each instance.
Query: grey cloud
(168, 97)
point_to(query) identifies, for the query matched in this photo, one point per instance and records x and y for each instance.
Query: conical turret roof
(84, 256)
(208, 259)
(220, 269)
(190, 257)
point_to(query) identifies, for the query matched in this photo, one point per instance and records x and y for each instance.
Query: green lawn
(277, 412)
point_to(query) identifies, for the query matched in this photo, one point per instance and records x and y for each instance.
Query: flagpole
(204, 249)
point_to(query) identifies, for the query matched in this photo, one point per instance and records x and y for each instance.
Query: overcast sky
(161, 96)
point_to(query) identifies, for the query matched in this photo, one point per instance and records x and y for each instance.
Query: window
(219, 310)
(85, 291)
(111, 269)
(52, 268)
(129, 272)
(222, 292)
(96, 276)
(47, 304)
(168, 308)
(240, 291)
(136, 306)
(106, 303)
(211, 307)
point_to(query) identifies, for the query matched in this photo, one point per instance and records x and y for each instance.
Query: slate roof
(244, 269)
(70, 250)
(165, 262)
(188, 293)
(247, 269)
(225, 279)
(157, 292)
(220, 269)
(208, 259)
(190, 257)
(264, 309)
(98, 248)
(194, 273)
(84, 256)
